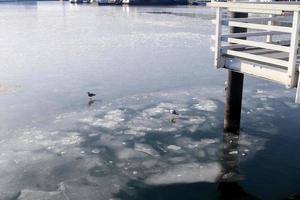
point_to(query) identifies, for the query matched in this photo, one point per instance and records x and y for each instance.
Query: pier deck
(269, 46)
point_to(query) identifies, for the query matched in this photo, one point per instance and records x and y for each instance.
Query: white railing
(272, 36)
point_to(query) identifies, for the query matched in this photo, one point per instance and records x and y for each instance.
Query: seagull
(91, 94)
(173, 112)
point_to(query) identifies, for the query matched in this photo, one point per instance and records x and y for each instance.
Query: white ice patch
(96, 151)
(193, 122)
(174, 147)
(93, 134)
(144, 124)
(250, 144)
(111, 120)
(154, 111)
(128, 153)
(187, 173)
(196, 120)
(134, 132)
(41, 195)
(258, 91)
(233, 152)
(74, 139)
(145, 148)
(203, 143)
(206, 105)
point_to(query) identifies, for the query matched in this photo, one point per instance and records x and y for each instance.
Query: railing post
(234, 92)
(218, 62)
(291, 79)
(269, 36)
(298, 90)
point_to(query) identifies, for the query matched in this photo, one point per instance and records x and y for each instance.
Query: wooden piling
(234, 92)
(233, 104)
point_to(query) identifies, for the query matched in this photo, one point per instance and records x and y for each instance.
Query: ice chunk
(233, 152)
(134, 132)
(93, 134)
(260, 91)
(174, 147)
(189, 173)
(127, 153)
(206, 105)
(41, 195)
(111, 120)
(145, 148)
(74, 139)
(96, 151)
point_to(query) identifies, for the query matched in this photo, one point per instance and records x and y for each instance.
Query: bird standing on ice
(91, 95)
(173, 112)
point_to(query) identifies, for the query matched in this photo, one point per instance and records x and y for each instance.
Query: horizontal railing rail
(269, 47)
(270, 26)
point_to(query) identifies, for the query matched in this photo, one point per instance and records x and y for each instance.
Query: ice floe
(187, 173)
(145, 148)
(123, 139)
(41, 195)
(206, 105)
(173, 147)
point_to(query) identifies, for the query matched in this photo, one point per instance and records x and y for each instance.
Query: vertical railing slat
(291, 76)
(269, 36)
(298, 90)
(218, 34)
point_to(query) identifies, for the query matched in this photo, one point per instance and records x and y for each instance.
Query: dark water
(55, 143)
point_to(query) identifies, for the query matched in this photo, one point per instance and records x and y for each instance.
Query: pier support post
(233, 104)
(234, 92)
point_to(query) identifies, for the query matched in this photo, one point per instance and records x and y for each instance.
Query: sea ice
(174, 147)
(96, 151)
(233, 152)
(206, 105)
(145, 148)
(41, 195)
(189, 173)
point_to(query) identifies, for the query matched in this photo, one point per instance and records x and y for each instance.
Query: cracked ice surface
(187, 173)
(84, 155)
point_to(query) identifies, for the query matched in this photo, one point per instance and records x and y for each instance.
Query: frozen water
(38, 195)
(174, 147)
(96, 151)
(233, 152)
(146, 149)
(187, 173)
(206, 105)
(55, 144)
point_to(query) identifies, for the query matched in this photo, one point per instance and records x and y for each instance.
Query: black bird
(174, 112)
(91, 94)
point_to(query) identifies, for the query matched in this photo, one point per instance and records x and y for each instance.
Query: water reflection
(132, 142)
(226, 187)
(230, 158)
(93, 101)
(229, 187)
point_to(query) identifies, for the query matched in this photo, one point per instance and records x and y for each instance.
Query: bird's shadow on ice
(93, 101)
